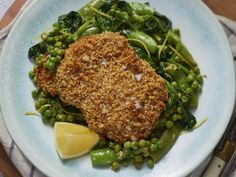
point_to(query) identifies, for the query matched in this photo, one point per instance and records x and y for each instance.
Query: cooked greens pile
(152, 37)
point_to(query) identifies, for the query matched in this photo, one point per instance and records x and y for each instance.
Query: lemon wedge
(73, 140)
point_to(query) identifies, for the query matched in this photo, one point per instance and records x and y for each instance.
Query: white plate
(201, 33)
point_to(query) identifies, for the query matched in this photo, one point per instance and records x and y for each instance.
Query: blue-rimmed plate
(201, 33)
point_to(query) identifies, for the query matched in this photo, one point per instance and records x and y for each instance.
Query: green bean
(168, 137)
(101, 157)
(145, 39)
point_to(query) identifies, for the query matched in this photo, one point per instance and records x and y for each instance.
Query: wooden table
(222, 7)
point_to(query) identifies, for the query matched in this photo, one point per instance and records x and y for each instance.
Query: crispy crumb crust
(119, 94)
(45, 80)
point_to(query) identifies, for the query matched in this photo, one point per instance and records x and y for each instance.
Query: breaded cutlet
(120, 95)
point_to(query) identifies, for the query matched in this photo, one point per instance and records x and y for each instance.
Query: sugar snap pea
(86, 12)
(176, 42)
(168, 137)
(144, 39)
(102, 157)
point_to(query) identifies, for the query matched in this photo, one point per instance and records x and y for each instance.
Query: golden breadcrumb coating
(120, 95)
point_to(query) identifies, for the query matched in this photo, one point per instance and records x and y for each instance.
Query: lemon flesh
(73, 140)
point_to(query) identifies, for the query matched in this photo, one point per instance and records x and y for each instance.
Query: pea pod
(90, 31)
(102, 157)
(142, 8)
(86, 12)
(142, 40)
(168, 137)
(176, 42)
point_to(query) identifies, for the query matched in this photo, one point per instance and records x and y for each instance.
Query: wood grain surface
(223, 7)
(7, 169)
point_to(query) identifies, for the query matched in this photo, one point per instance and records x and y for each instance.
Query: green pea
(169, 124)
(196, 70)
(153, 147)
(52, 121)
(70, 118)
(189, 91)
(179, 110)
(195, 85)
(49, 40)
(58, 57)
(144, 150)
(159, 143)
(111, 145)
(42, 101)
(58, 44)
(134, 145)
(34, 93)
(154, 140)
(52, 59)
(44, 36)
(42, 95)
(138, 159)
(184, 99)
(190, 78)
(115, 166)
(174, 84)
(53, 52)
(148, 142)
(50, 66)
(142, 143)
(117, 147)
(48, 113)
(61, 117)
(69, 39)
(59, 52)
(150, 163)
(31, 74)
(120, 155)
(37, 105)
(199, 79)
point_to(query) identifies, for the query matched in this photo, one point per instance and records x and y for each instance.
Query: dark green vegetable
(70, 21)
(37, 49)
(188, 121)
(102, 157)
(168, 137)
(142, 40)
